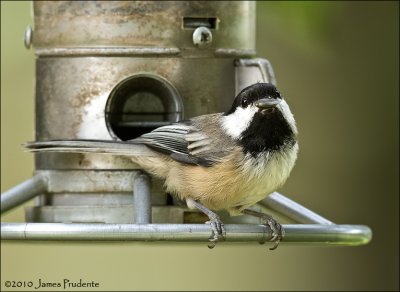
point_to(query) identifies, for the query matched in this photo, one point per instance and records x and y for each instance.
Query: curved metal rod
(142, 198)
(23, 192)
(298, 233)
(265, 67)
(283, 205)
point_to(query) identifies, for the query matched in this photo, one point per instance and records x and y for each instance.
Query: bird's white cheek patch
(287, 114)
(236, 123)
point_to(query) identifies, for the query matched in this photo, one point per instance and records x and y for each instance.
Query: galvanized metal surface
(69, 24)
(117, 214)
(140, 52)
(113, 198)
(88, 181)
(106, 52)
(100, 196)
(312, 233)
(250, 71)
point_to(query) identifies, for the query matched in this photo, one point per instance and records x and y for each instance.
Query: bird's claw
(278, 233)
(217, 229)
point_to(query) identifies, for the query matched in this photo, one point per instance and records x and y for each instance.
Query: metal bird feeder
(115, 70)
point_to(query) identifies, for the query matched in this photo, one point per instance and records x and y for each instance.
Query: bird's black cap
(253, 93)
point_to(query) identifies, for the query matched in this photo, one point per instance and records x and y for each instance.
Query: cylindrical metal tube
(309, 233)
(293, 210)
(142, 199)
(143, 24)
(23, 192)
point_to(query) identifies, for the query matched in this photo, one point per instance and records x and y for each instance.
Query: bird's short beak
(267, 102)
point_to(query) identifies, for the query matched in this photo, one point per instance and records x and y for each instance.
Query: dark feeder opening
(140, 104)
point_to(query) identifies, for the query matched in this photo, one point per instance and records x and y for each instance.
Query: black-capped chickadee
(218, 161)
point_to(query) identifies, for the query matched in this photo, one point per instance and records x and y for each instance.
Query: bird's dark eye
(244, 102)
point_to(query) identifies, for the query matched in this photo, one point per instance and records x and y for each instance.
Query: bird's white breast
(265, 174)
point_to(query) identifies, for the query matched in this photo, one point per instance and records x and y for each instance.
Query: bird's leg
(217, 227)
(277, 230)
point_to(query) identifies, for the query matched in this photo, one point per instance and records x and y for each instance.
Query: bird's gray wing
(184, 142)
(188, 142)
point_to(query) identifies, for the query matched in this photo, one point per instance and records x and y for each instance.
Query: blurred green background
(337, 64)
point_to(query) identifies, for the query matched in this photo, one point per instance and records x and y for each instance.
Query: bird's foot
(217, 229)
(278, 233)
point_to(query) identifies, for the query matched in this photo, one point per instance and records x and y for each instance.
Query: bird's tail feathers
(125, 148)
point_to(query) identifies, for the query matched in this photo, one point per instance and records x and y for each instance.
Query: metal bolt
(28, 37)
(202, 37)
